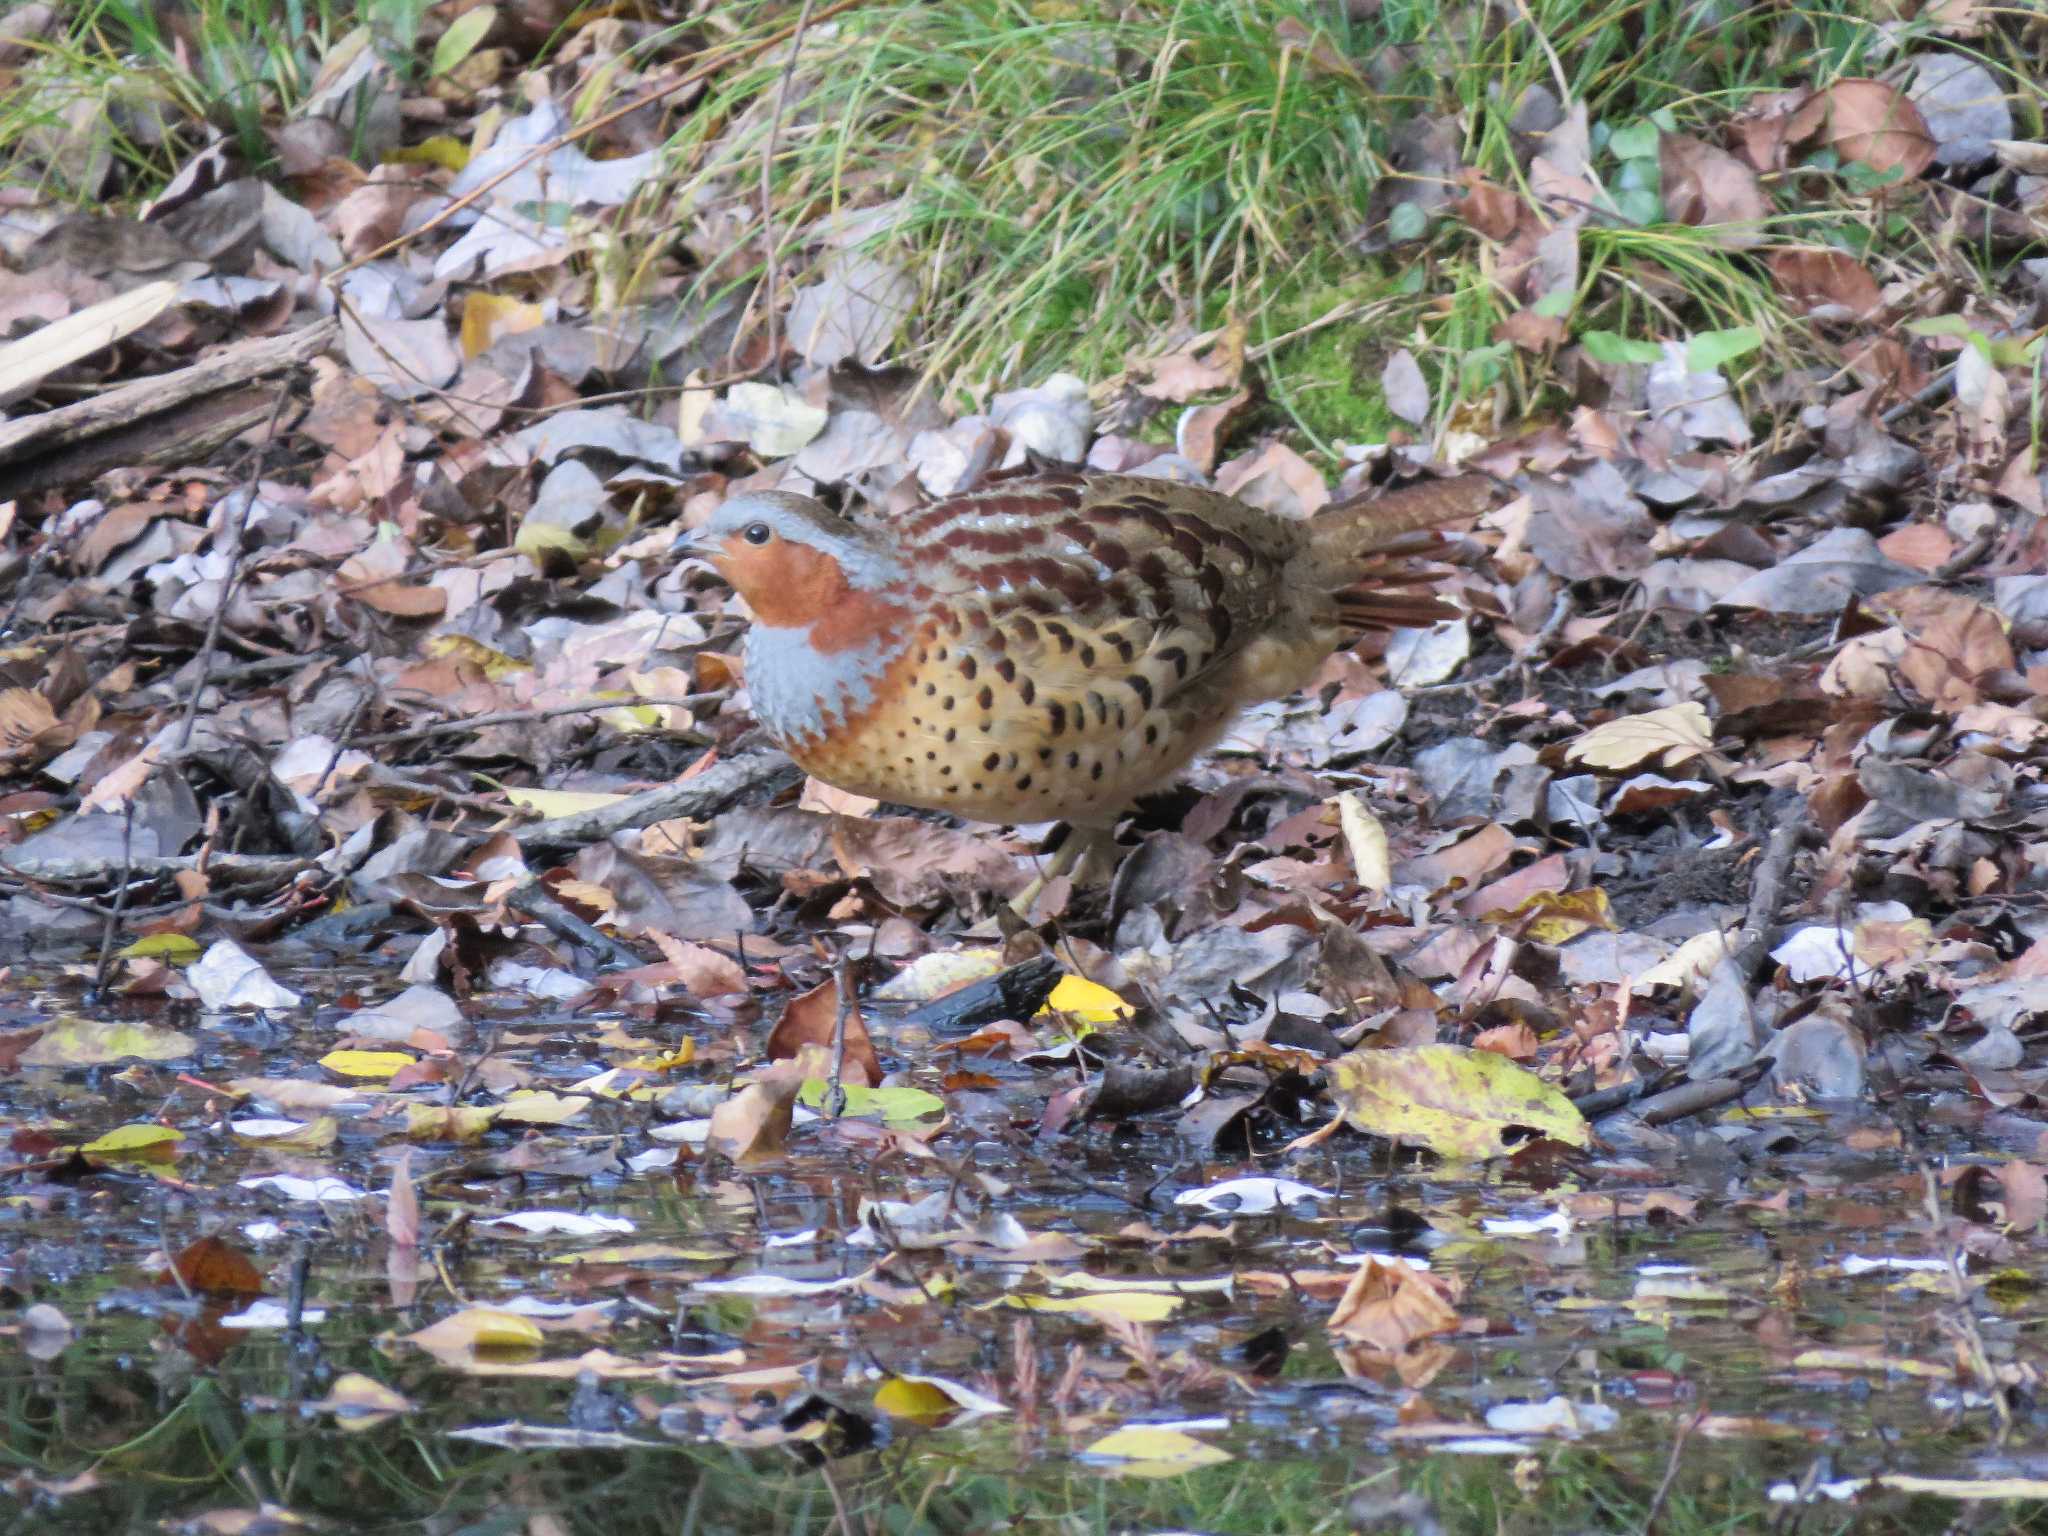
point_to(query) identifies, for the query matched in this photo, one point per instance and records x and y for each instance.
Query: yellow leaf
(488, 317)
(904, 1399)
(1889, 1365)
(1555, 917)
(645, 1253)
(941, 971)
(1670, 736)
(560, 802)
(682, 1055)
(631, 719)
(1087, 1001)
(931, 1397)
(896, 1104)
(1120, 1306)
(539, 539)
(360, 1402)
(82, 1043)
(145, 1141)
(460, 1337)
(495, 665)
(451, 154)
(460, 1123)
(1371, 857)
(532, 1108)
(177, 948)
(315, 1135)
(371, 1066)
(1456, 1102)
(1154, 1450)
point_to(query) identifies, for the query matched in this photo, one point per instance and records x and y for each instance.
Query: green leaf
(1407, 222)
(461, 38)
(1611, 347)
(1639, 205)
(146, 1141)
(1711, 350)
(1557, 303)
(893, 1104)
(1638, 141)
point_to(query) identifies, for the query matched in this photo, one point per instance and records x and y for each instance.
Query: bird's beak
(695, 544)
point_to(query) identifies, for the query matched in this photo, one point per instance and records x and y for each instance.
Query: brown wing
(1090, 616)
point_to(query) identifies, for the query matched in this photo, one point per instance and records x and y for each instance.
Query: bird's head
(793, 559)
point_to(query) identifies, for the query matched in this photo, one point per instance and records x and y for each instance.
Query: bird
(1054, 644)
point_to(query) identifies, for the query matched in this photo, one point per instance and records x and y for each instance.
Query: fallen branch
(237, 868)
(703, 794)
(131, 403)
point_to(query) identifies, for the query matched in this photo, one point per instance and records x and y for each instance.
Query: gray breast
(799, 692)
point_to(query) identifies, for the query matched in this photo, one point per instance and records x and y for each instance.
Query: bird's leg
(1087, 855)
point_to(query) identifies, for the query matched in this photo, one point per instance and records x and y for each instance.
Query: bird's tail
(1362, 547)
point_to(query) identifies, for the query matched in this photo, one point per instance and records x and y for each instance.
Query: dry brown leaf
(811, 1019)
(1820, 278)
(1389, 1306)
(1668, 736)
(1869, 121)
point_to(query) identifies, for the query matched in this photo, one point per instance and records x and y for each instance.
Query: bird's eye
(757, 533)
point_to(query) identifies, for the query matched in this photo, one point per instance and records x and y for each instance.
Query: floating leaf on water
(931, 1397)
(359, 1402)
(1155, 1450)
(146, 1142)
(83, 1043)
(372, 1066)
(1453, 1101)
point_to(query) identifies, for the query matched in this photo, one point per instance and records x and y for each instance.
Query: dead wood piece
(1766, 895)
(539, 903)
(226, 369)
(185, 434)
(1697, 1098)
(238, 868)
(1016, 993)
(1126, 1090)
(703, 794)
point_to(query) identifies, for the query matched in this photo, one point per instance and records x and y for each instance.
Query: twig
(1671, 1469)
(771, 274)
(528, 717)
(1095, 1186)
(234, 576)
(1697, 1098)
(834, 1103)
(99, 975)
(251, 868)
(712, 790)
(1963, 1319)
(163, 1243)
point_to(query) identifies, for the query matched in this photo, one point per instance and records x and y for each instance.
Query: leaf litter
(415, 958)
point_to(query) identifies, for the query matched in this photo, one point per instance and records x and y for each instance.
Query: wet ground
(1678, 1337)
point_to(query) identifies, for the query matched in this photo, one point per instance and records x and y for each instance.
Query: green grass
(148, 84)
(1073, 187)
(1079, 185)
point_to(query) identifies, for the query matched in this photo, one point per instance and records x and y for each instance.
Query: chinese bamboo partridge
(1053, 645)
